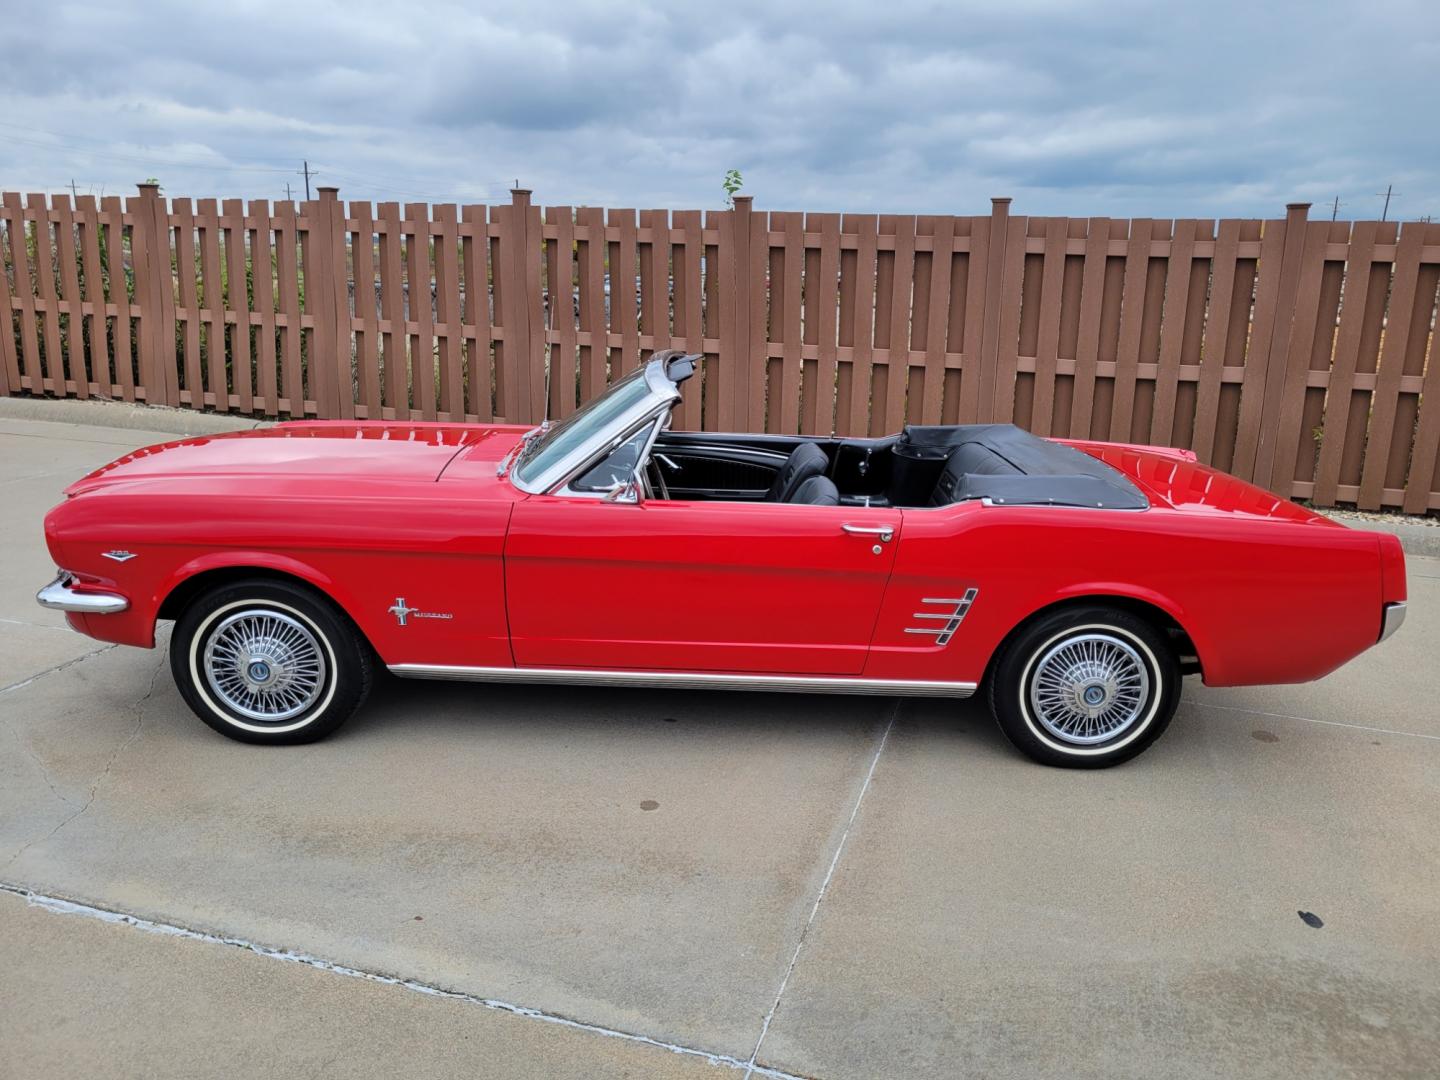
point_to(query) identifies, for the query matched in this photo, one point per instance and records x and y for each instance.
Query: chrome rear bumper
(59, 596)
(1391, 619)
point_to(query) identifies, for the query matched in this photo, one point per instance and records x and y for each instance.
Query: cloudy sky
(1124, 108)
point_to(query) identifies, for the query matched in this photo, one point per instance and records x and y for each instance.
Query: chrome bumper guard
(59, 596)
(1391, 619)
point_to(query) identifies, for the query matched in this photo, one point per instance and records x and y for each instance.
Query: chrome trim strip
(689, 680)
(1391, 619)
(660, 394)
(564, 487)
(58, 596)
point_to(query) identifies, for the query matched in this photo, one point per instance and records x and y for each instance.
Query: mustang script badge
(403, 612)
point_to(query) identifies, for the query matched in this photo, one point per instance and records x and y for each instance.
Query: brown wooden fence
(1287, 351)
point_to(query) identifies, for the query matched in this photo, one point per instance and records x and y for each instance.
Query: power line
(374, 181)
(486, 190)
(135, 159)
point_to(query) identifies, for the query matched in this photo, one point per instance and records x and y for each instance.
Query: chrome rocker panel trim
(58, 596)
(1392, 619)
(804, 684)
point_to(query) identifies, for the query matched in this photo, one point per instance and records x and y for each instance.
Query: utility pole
(73, 192)
(1335, 210)
(288, 196)
(306, 171)
(1389, 191)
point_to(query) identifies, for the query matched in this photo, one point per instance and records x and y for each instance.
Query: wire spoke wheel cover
(265, 665)
(1089, 688)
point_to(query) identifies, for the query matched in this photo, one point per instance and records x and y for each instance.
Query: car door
(696, 586)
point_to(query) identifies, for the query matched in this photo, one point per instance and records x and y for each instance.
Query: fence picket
(447, 309)
(187, 275)
(237, 302)
(46, 294)
(366, 323)
(77, 375)
(287, 284)
(475, 255)
(392, 308)
(1420, 494)
(262, 273)
(560, 311)
(594, 352)
(113, 223)
(689, 315)
(1392, 358)
(1047, 349)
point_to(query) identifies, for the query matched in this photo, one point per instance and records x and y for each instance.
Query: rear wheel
(269, 662)
(1085, 687)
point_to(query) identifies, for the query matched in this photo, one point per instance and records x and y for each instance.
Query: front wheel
(269, 662)
(1085, 687)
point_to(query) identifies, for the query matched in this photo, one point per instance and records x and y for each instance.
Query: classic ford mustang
(1075, 582)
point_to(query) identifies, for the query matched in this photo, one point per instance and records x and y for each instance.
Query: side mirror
(625, 491)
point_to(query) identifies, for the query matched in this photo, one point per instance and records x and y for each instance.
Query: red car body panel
(372, 513)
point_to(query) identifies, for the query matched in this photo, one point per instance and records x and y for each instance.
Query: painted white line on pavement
(61, 906)
(834, 862)
(1308, 719)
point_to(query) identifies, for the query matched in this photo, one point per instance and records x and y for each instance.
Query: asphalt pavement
(509, 881)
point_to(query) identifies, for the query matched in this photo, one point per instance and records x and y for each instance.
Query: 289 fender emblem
(119, 556)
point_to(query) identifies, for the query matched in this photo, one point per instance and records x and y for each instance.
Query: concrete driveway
(538, 882)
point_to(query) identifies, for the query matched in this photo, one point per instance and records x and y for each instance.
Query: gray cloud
(1102, 108)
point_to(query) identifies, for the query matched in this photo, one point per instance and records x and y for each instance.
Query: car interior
(923, 466)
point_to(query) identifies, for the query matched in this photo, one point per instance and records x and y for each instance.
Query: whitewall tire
(1085, 687)
(267, 661)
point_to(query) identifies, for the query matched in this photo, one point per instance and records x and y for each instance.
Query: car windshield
(581, 426)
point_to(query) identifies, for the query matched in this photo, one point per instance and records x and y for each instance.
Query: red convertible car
(1075, 583)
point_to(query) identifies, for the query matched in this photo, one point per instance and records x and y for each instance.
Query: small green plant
(156, 181)
(732, 184)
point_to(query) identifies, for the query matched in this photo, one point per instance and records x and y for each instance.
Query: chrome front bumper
(1391, 619)
(59, 596)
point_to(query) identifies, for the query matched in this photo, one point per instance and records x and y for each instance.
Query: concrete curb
(124, 414)
(1415, 539)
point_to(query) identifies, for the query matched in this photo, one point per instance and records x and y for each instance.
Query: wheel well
(1162, 620)
(180, 597)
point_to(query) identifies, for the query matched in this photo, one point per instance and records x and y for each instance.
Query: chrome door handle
(885, 532)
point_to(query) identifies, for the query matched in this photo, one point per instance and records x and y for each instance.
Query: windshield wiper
(519, 449)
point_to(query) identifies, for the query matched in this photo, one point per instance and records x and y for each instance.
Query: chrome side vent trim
(950, 618)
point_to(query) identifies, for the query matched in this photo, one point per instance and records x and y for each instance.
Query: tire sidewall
(1010, 687)
(346, 671)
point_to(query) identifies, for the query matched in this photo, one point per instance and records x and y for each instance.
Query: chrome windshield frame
(662, 393)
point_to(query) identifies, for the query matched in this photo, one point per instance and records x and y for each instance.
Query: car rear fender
(1145, 602)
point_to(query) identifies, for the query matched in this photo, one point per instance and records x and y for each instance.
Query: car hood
(376, 451)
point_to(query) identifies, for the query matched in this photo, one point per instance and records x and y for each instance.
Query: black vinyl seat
(805, 461)
(817, 491)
